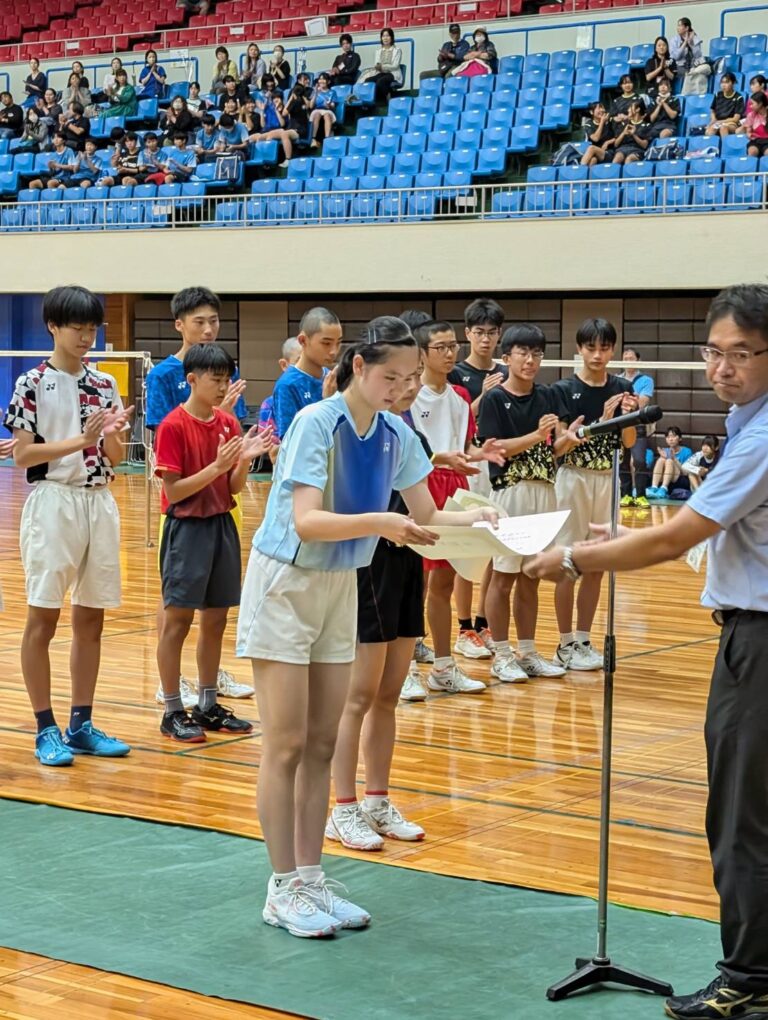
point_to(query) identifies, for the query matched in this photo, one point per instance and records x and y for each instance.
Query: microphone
(648, 414)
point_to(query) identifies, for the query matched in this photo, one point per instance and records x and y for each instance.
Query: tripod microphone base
(598, 971)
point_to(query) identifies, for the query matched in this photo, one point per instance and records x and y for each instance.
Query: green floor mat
(183, 907)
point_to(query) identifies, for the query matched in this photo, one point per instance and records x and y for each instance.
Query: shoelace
(360, 828)
(390, 812)
(325, 889)
(56, 740)
(474, 638)
(301, 901)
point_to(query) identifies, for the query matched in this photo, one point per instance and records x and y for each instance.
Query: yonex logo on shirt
(50, 386)
(425, 414)
(465, 378)
(386, 447)
(307, 395)
(507, 405)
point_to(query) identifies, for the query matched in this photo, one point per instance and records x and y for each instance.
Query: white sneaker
(347, 826)
(585, 657)
(187, 691)
(296, 910)
(470, 646)
(423, 653)
(228, 687)
(412, 687)
(387, 821)
(453, 681)
(485, 637)
(535, 664)
(508, 670)
(322, 894)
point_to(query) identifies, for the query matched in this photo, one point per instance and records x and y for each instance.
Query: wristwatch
(569, 568)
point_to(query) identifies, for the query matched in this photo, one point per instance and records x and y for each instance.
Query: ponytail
(373, 346)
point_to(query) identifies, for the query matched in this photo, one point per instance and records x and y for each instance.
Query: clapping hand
(116, 420)
(547, 423)
(7, 447)
(609, 408)
(256, 442)
(572, 432)
(459, 462)
(629, 403)
(494, 379)
(493, 452)
(233, 394)
(329, 383)
(228, 453)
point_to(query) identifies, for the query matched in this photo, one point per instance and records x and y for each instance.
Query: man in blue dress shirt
(730, 512)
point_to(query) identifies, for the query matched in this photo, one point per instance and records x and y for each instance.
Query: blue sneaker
(50, 749)
(651, 492)
(89, 740)
(661, 492)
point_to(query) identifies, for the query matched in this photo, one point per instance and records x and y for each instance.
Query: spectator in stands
(635, 136)
(11, 117)
(279, 68)
(249, 115)
(346, 66)
(452, 54)
(665, 112)
(601, 135)
(757, 83)
(387, 72)
(34, 135)
(206, 139)
(196, 105)
(231, 91)
(322, 106)
(223, 68)
(634, 463)
(480, 58)
(109, 83)
(152, 78)
(232, 107)
(122, 101)
(75, 92)
(687, 51)
(61, 165)
(232, 139)
(660, 67)
(255, 67)
(49, 109)
(297, 106)
(90, 167)
(150, 161)
(79, 70)
(182, 162)
(698, 466)
(75, 127)
(757, 125)
(178, 118)
(727, 108)
(275, 126)
(668, 466)
(620, 105)
(36, 81)
(124, 164)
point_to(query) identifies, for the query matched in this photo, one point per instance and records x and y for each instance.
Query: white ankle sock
(566, 639)
(278, 881)
(503, 648)
(526, 647)
(371, 801)
(582, 636)
(310, 872)
(443, 662)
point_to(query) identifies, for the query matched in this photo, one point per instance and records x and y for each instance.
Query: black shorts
(200, 562)
(390, 595)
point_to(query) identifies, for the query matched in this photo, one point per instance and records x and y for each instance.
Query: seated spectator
(35, 133)
(122, 101)
(36, 81)
(61, 165)
(451, 56)
(150, 162)
(634, 137)
(79, 70)
(480, 58)
(757, 83)
(698, 466)
(49, 109)
(346, 66)
(275, 127)
(75, 126)
(387, 72)
(152, 78)
(90, 167)
(687, 51)
(665, 112)
(249, 115)
(196, 105)
(178, 118)
(727, 108)
(668, 467)
(279, 68)
(601, 135)
(232, 107)
(620, 105)
(255, 67)
(181, 162)
(322, 106)
(75, 92)
(206, 138)
(124, 164)
(232, 139)
(757, 125)
(109, 84)
(223, 68)
(297, 106)
(11, 117)
(231, 91)
(660, 67)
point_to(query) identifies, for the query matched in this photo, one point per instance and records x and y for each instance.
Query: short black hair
(313, 320)
(228, 78)
(64, 306)
(674, 430)
(686, 22)
(599, 331)
(729, 75)
(208, 358)
(226, 120)
(760, 79)
(181, 135)
(427, 330)
(194, 84)
(633, 350)
(6, 93)
(221, 49)
(150, 136)
(413, 318)
(746, 304)
(712, 441)
(77, 108)
(523, 334)
(59, 134)
(626, 77)
(484, 310)
(192, 298)
(131, 136)
(345, 37)
(208, 118)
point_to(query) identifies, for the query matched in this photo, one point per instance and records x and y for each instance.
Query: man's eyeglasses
(737, 356)
(527, 352)
(482, 334)
(443, 348)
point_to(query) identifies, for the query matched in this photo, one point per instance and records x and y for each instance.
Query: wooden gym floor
(506, 783)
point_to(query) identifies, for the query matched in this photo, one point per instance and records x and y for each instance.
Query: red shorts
(443, 482)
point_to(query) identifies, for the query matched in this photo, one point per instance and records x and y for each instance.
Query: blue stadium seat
(528, 116)
(556, 116)
(496, 137)
(103, 127)
(612, 73)
(640, 55)
(491, 161)
(335, 146)
(262, 154)
(694, 122)
(604, 197)
(511, 65)
(388, 145)
(421, 205)
(534, 80)
(265, 186)
(423, 104)
(509, 82)
(505, 204)
(280, 208)
(585, 95)
(723, 46)
(477, 102)
(352, 166)
(589, 58)
(746, 192)
(638, 190)
(531, 97)
(757, 42)
(440, 141)
(407, 163)
(474, 119)
(468, 138)
(525, 139)
(540, 198)
(400, 106)
(420, 123)
(192, 196)
(482, 84)
(457, 184)
(562, 58)
(429, 180)
(147, 112)
(462, 159)
(456, 86)
(697, 104)
(432, 86)
(229, 213)
(605, 172)
(452, 102)
(304, 167)
(368, 126)
(344, 182)
(6, 162)
(177, 88)
(500, 119)
(291, 185)
(434, 162)
(373, 182)
(505, 100)
(706, 165)
(361, 145)
(413, 141)
(12, 218)
(536, 62)
(112, 213)
(588, 76)
(380, 163)
(754, 63)
(9, 182)
(541, 174)
(564, 76)
(733, 146)
(447, 120)
(325, 166)
(617, 55)
(397, 181)
(571, 191)
(393, 125)
(558, 94)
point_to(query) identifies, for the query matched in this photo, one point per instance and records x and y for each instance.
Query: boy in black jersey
(583, 483)
(524, 418)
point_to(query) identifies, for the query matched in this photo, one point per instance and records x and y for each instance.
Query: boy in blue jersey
(182, 162)
(289, 355)
(302, 384)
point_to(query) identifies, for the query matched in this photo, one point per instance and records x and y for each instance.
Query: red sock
(377, 793)
(346, 800)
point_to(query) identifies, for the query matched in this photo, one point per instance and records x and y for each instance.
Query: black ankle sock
(80, 714)
(44, 719)
(481, 623)
(465, 624)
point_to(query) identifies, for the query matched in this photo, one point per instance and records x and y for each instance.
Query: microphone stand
(600, 969)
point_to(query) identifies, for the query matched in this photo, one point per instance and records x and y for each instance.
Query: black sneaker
(717, 1001)
(179, 726)
(218, 718)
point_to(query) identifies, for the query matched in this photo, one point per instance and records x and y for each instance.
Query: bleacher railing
(713, 194)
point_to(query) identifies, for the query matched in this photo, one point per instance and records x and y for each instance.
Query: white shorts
(291, 614)
(70, 538)
(517, 500)
(481, 484)
(587, 494)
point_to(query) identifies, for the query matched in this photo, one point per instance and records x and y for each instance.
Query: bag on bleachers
(567, 155)
(708, 152)
(666, 150)
(227, 168)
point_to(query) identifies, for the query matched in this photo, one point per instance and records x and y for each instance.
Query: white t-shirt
(443, 418)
